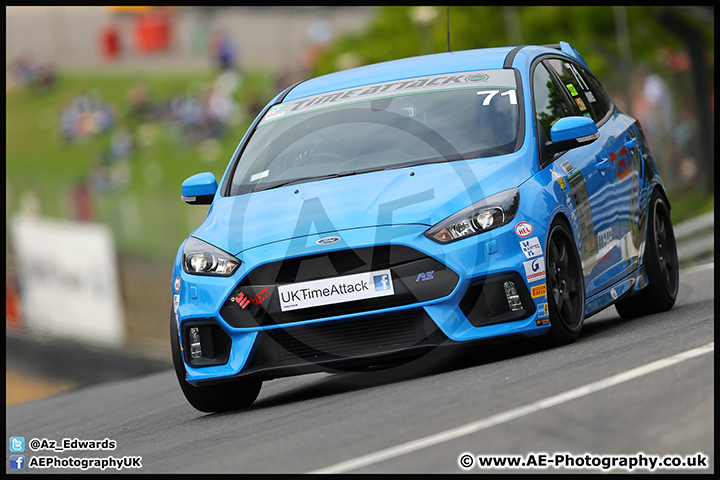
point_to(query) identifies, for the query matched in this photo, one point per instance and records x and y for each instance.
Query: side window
(550, 104)
(596, 96)
(587, 101)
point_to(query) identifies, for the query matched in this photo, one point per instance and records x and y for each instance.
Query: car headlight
(201, 258)
(479, 217)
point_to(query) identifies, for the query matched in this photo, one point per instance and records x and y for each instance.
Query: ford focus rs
(373, 214)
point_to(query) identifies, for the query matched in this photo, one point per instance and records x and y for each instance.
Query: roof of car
(435, 64)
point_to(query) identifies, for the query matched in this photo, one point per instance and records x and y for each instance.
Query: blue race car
(373, 214)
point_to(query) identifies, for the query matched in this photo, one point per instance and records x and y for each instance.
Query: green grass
(147, 217)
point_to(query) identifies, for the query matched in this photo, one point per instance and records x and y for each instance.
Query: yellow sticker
(580, 104)
(538, 291)
(572, 90)
(562, 183)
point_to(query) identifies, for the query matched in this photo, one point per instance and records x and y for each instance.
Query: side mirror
(572, 132)
(199, 189)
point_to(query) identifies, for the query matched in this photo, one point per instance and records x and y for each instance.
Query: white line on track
(515, 413)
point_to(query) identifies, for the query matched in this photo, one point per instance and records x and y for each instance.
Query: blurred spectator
(224, 51)
(110, 42)
(653, 107)
(26, 71)
(85, 116)
(82, 202)
(684, 137)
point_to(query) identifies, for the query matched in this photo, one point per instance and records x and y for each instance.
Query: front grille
(348, 338)
(365, 336)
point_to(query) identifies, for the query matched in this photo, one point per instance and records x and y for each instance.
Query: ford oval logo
(327, 240)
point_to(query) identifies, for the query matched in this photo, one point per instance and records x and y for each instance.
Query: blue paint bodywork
(398, 206)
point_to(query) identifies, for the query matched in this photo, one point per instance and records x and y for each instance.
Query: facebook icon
(17, 462)
(382, 282)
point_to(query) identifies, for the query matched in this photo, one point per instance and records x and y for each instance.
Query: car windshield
(438, 118)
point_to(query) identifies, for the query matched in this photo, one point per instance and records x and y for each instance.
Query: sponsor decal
(176, 302)
(567, 166)
(613, 294)
(425, 276)
(589, 95)
(580, 104)
(330, 291)
(579, 194)
(259, 176)
(531, 247)
(623, 164)
(523, 229)
(562, 183)
(478, 77)
(543, 317)
(243, 300)
(538, 291)
(328, 240)
(587, 115)
(603, 238)
(177, 284)
(535, 269)
(571, 89)
(274, 112)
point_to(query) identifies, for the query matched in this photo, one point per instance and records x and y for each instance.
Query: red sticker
(523, 229)
(177, 284)
(623, 165)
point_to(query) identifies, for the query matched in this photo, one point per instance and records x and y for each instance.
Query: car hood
(423, 194)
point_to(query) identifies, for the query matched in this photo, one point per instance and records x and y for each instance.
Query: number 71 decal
(491, 93)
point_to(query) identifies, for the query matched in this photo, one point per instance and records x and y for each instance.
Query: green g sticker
(571, 87)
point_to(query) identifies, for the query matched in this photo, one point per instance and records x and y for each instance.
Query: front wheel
(661, 265)
(222, 397)
(565, 286)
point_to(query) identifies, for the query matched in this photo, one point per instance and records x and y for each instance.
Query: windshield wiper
(270, 186)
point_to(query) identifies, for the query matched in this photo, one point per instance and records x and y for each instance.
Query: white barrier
(695, 237)
(68, 279)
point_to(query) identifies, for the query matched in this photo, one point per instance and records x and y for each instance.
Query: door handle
(602, 164)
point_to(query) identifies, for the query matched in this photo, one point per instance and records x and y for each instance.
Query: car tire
(565, 286)
(221, 397)
(661, 265)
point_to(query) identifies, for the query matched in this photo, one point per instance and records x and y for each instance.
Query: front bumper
(444, 294)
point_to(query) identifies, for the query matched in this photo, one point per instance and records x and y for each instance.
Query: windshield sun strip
(292, 115)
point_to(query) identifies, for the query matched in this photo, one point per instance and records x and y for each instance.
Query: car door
(585, 171)
(620, 247)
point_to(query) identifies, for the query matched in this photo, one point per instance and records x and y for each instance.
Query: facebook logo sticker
(382, 282)
(17, 462)
(17, 444)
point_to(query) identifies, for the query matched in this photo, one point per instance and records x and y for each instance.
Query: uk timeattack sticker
(335, 290)
(535, 269)
(531, 247)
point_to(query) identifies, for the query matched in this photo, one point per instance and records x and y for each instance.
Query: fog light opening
(512, 296)
(195, 348)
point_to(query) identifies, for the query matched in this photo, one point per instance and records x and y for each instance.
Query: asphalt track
(641, 388)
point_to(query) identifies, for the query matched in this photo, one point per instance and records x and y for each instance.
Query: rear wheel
(661, 265)
(222, 397)
(565, 286)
